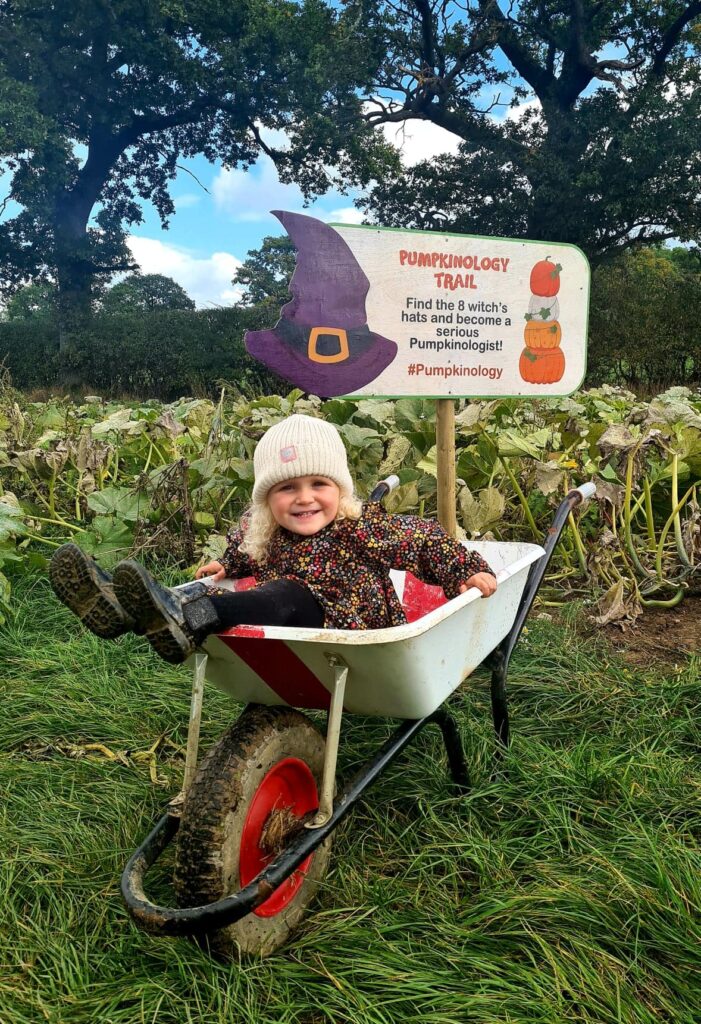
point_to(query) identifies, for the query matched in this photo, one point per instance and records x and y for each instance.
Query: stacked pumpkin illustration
(543, 361)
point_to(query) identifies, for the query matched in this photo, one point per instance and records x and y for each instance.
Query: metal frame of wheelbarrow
(200, 920)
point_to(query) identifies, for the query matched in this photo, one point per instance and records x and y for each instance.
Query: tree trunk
(74, 281)
(74, 255)
(554, 172)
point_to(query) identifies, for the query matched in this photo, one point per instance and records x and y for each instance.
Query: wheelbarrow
(253, 823)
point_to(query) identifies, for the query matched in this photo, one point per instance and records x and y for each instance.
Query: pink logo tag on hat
(288, 454)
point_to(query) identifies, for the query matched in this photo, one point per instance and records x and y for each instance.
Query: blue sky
(224, 213)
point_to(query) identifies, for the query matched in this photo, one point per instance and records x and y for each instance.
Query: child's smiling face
(305, 504)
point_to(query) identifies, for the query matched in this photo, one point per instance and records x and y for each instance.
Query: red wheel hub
(289, 784)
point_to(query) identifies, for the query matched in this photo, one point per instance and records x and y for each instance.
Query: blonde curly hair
(260, 527)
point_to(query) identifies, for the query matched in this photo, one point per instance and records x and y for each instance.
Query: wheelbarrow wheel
(249, 796)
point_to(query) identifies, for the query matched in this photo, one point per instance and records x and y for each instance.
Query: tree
(644, 323)
(688, 261)
(144, 293)
(600, 147)
(100, 100)
(33, 302)
(266, 272)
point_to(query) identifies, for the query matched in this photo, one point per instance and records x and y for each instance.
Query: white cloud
(248, 196)
(420, 140)
(515, 113)
(251, 195)
(207, 280)
(344, 215)
(186, 200)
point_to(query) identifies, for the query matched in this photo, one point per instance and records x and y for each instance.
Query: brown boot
(174, 623)
(85, 588)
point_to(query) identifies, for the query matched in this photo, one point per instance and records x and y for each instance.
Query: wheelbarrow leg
(453, 748)
(193, 733)
(333, 734)
(500, 709)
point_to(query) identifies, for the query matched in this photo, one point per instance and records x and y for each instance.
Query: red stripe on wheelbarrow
(278, 666)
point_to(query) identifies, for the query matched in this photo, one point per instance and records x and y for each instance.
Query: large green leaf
(549, 477)
(241, 469)
(533, 445)
(358, 437)
(380, 412)
(108, 539)
(409, 414)
(119, 501)
(429, 463)
(11, 518)
(197, 413)
(119, 421)
(481, 511)
(336, 411)
(404, 499)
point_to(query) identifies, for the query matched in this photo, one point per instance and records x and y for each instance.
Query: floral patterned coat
(346, 565)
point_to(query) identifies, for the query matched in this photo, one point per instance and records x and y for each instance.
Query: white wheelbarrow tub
(401, 672)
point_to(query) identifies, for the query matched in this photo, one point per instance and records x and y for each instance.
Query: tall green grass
(565, 889)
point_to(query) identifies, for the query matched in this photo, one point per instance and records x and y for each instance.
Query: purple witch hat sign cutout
(322, 341)
(376, 311)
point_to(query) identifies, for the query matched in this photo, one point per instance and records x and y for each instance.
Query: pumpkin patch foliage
(164, 481)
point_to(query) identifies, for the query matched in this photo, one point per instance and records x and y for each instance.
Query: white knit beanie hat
(299, 446)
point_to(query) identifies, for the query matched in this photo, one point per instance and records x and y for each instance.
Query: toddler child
(320, 557)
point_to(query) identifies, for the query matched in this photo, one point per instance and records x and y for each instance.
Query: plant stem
(521, 496)
(626, 513)
(52, 495)
(671, 603)
(649, 518)
(57, 522)
(44, 540)
(578, 546)
(681, 550)
(665, 531)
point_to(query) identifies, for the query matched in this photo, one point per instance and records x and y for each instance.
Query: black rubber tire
(208, 840)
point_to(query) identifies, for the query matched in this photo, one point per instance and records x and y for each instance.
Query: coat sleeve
(420, 546)
(236, 564)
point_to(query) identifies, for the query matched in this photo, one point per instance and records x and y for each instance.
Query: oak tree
(99, 101)
(578, 121)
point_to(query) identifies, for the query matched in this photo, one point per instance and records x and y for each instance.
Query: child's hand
(485, 583)
(214, 570)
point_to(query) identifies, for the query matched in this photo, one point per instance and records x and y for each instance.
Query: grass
(566, 890)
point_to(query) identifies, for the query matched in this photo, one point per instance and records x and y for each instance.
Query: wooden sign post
(394, 313)
(445, 460)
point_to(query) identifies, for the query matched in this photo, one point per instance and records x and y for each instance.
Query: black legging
(277, 603)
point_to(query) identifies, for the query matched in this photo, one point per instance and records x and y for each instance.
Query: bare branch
(274, 154)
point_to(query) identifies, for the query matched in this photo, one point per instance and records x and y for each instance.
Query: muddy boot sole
(140, 596)
(80, 584)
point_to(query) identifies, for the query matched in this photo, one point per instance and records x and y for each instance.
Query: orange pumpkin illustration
(544, 366)
(545, 278)
(542, 334)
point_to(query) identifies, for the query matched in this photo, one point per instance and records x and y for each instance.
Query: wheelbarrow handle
(384, 487)
(585, 491)
(537, 571)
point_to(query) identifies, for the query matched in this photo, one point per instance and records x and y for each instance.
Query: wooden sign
(393, 313)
